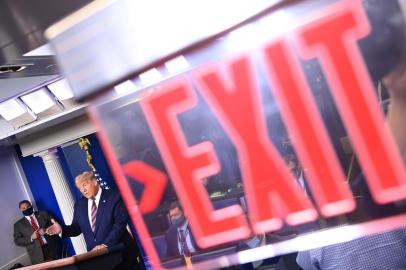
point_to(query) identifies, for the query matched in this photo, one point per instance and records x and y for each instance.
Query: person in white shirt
(179, 238)
(295, 169)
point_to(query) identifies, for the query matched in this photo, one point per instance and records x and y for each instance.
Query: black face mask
(28, 212)
(177, 222)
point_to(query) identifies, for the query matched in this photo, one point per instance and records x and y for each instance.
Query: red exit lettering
(232, 91)
(188, 165)
(266, 179)
(333, 40)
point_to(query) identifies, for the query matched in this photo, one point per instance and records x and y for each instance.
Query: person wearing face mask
(29, 232)
(179, 238)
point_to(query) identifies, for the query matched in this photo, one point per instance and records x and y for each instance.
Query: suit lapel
(40, 220)
(26, 223)
(192, 238)
(100, 209)
(308, 191)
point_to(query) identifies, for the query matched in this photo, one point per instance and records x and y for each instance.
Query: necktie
(35, 227)
(94, 212)
(184, 248)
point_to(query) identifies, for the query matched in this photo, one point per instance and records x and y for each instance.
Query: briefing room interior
(201, 135)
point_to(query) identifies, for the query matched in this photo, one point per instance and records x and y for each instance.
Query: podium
(102, 259)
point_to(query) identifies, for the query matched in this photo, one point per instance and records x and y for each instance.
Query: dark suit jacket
(22, 237)
(171, 239)
(111, 222)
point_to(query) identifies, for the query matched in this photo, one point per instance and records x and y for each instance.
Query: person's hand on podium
(99, 247)
(54, 229)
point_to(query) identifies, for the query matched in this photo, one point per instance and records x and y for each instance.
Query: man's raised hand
(55, 228)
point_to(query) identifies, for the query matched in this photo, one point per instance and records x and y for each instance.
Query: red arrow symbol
(154, 182)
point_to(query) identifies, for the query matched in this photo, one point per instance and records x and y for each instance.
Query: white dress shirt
(36, 221)
(302, 184)
(189, 242)
(89, 205)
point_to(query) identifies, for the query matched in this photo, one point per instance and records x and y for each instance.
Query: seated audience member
(253, 242)
(29, 232)
(179, 238)
(381, 251)
(295, 169)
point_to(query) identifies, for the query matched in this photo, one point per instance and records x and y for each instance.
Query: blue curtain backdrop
(74, 162)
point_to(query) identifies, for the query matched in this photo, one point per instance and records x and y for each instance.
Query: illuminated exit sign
(211, 124)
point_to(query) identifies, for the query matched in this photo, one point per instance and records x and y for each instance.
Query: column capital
(48, 155)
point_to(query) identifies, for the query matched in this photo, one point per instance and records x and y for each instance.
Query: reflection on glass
(130, 135)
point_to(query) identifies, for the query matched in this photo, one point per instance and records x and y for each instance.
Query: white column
(62, 193)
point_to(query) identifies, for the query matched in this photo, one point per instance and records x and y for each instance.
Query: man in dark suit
(29, 233)
(179, 238)
(297, 172)
(102, 218)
